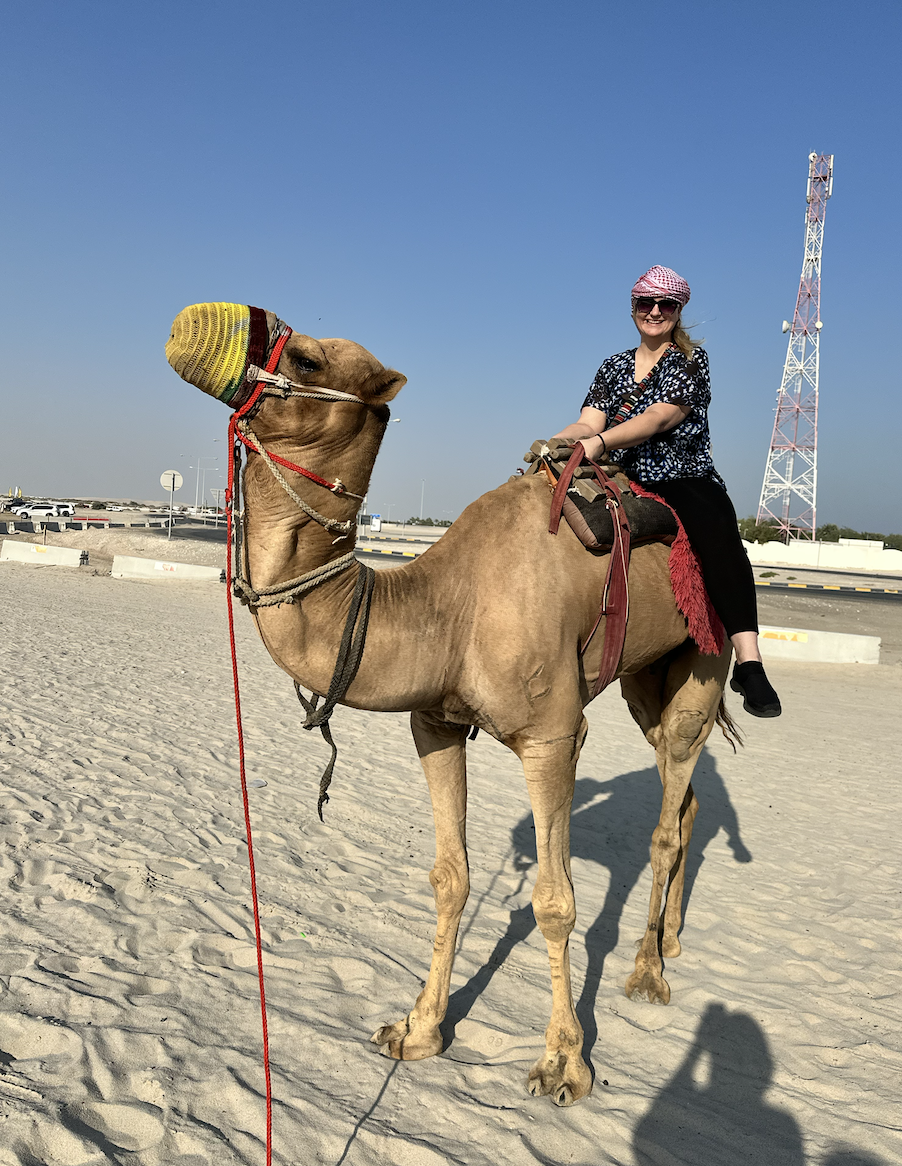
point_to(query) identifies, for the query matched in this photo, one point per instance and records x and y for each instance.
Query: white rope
(279, 381)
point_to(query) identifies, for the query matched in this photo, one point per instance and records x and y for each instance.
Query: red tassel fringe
(689, 587)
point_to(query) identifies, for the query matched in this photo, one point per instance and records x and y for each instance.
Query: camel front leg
(687, 702)
(550, 769)
(442, 750)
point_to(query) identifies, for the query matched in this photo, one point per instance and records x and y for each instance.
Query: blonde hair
(684, 342)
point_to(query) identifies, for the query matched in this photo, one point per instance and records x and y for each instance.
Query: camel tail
(728, 726)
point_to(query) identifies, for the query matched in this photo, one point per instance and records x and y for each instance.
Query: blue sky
(468, 190)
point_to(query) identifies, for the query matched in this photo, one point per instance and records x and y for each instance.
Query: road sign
(171, 480)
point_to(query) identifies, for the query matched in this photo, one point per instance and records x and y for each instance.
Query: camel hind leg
(442, 750)
(676, 711)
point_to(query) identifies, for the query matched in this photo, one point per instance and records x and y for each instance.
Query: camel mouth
(211, 345)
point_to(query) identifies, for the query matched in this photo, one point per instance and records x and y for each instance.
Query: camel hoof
(405, 1041)
(648, 984)
(564, 1077)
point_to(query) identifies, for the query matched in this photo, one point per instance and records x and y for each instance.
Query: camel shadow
(611, 824)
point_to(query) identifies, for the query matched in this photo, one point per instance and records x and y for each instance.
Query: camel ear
(383, 386)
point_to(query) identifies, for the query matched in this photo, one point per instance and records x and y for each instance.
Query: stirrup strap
(615, 597)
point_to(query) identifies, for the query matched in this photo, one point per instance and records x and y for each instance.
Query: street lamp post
(203, 484)
(422, 496)
(198, 479)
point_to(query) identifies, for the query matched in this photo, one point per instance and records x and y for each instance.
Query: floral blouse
(681, 452)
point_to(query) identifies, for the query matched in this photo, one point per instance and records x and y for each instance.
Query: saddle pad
(590, 520)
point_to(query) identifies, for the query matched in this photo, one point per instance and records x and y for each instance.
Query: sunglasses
(644, 305)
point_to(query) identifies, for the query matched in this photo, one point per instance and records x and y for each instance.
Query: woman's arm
(657, 418)
(591, 421)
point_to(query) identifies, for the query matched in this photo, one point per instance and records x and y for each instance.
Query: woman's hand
(594, 447)
(591, 423)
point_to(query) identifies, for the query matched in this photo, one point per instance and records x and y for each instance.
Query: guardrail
(36, 526)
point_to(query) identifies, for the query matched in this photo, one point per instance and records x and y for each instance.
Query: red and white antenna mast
(789, 491)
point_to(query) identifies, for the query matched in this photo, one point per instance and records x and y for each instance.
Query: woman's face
(653, 324)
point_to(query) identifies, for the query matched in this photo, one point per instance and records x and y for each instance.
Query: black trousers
(706, 512)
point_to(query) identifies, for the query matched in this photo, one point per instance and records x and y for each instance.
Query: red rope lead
(250, 855)
(230, 498)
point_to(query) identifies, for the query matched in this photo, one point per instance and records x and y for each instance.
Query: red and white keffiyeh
(661, 282)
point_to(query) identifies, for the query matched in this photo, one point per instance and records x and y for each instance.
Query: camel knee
(683, 733)
(451, 886)
(555, 912)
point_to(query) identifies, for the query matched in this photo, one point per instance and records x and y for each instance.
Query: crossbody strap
(629, 402)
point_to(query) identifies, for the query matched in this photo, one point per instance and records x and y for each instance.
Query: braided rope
(292, 589)
(330, 524)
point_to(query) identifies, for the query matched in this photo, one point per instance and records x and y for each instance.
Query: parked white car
(44, 510)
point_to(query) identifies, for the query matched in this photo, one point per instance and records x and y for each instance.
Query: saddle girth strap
(615, 597)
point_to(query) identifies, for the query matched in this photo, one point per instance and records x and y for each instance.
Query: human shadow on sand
(713, 1109)
(611, 824)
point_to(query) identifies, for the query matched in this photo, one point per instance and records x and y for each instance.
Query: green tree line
(428, 522)
(765, 532)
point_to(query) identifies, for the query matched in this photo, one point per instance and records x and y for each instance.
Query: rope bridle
(272, 384)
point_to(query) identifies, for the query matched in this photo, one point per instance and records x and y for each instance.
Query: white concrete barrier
(818, 647)
(45, 556)
(131, 567)
(825, 556)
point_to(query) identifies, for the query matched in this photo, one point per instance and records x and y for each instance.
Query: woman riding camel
(650, 405)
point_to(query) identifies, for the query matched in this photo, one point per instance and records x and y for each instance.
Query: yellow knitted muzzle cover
(210, 346)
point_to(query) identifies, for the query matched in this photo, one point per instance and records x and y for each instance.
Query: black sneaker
(758, 695)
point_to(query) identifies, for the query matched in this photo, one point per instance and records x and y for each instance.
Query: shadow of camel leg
(550, 768)
(677, 716)
(442, 750)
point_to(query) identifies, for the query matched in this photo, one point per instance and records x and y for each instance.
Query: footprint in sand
(128, 1127)
(480, 1044)
(102, 977)
(26, 1038)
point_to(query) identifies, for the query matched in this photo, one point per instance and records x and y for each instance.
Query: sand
(129, 1022)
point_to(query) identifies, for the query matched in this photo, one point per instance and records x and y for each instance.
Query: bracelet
(604, 444)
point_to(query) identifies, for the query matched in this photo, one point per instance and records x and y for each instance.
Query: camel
(482, 629)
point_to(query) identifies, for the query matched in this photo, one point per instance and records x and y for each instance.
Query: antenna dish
(819, 325)
(786, 325)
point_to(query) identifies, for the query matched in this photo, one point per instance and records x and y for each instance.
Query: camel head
(212, 346)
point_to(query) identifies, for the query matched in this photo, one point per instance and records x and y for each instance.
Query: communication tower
(789, 491)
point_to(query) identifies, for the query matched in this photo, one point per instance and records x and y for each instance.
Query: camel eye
(305, 364)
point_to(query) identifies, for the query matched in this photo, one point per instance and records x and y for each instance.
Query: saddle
(609, 514)
(585, 505)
